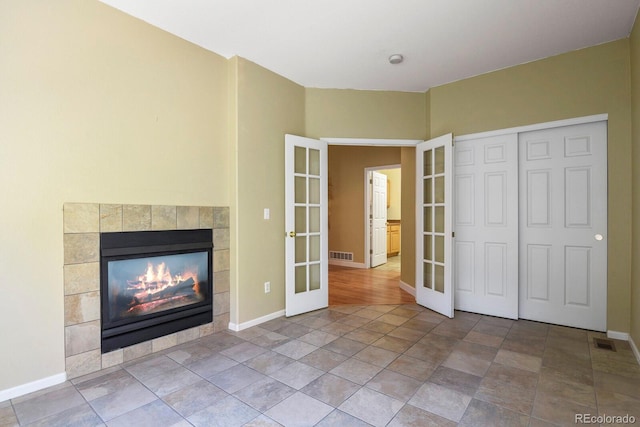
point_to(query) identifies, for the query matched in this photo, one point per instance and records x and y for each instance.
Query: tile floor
(383, 365)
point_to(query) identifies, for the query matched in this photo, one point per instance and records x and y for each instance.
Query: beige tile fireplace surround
(83, 223)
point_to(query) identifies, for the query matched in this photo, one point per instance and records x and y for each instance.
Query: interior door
(563, 225)
(378, 218)
(434, 254)
(486, 224)
(306, 222)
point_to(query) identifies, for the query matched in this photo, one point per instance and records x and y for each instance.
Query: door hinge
(370, 181)
(370, 251)
(453, 234)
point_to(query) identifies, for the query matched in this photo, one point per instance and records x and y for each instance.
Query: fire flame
(158, 278)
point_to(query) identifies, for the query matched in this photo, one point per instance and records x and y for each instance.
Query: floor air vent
(604, 344)
(344, 256)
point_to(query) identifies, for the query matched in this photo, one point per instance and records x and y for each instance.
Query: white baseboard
(343, 263)
(622, 336)
(408, 288)
(636, 352)
(255, 322)
(36, 385)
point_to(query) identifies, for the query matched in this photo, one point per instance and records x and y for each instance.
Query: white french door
(378, 218)
(306, 222)
(434, 254)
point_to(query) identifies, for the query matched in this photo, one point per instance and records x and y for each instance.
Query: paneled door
(563, 225)
(486, 225)
(378, 218)
(434, 258)
(306, 232)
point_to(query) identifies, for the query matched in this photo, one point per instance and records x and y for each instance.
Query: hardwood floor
(378, 285)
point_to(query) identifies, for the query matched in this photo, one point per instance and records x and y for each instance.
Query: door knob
(292, 234)
(598, 237)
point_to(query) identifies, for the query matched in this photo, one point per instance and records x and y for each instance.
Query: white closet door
(486, 225)
(563, 225)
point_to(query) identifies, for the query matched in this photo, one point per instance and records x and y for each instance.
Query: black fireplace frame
(143, 244)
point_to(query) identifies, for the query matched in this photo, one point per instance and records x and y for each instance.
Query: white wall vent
(343, 256)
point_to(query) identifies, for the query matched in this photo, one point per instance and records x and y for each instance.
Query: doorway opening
(358, 280)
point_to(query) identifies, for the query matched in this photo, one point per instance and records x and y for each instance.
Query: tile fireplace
(84, 224)
(154, 283)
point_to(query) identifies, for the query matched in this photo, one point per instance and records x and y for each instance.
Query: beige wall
(347, 190)
(95, 107)
(268, 107)
(408, 230)
(585, 82)
(635, 260)
(342, 113)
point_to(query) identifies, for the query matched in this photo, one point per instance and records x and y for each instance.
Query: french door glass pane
(314, 190)
(439, 167)
(314, 162)
(428, 163)
(301, 279)
(439, 278)
(439, 219)
(428, 221)
(301, 249)
(314, 248)
(314, 219)
(428, 199)
(301, 189)
(439, 248)
(427, 273)
(314, 277)
(301, 219)
(300, 160)
(439, 182)
(428, 252)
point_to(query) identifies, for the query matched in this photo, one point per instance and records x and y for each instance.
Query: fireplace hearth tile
(81, 308)
(79, 278)
(163, 217)
(113, 358)
(83, 363)
(81, 218)
(207, 329)
(206, 217)
(81, 248)
(188, 217)
(221, 238)
(188, 335)
(220, 217)
(221, 303)
(220, 260)
(221, 322)
(82, 337)
(221, 281)
(136, 217)
(137, 350)
(110, 218)
(163, 343)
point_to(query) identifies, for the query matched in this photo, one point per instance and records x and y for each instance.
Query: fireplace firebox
(154, 283)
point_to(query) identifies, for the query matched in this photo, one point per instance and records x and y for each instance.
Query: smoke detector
(396, 58)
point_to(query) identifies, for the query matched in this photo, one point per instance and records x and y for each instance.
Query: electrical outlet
(267, 287)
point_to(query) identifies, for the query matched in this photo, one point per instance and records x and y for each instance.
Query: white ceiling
(345, 44)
